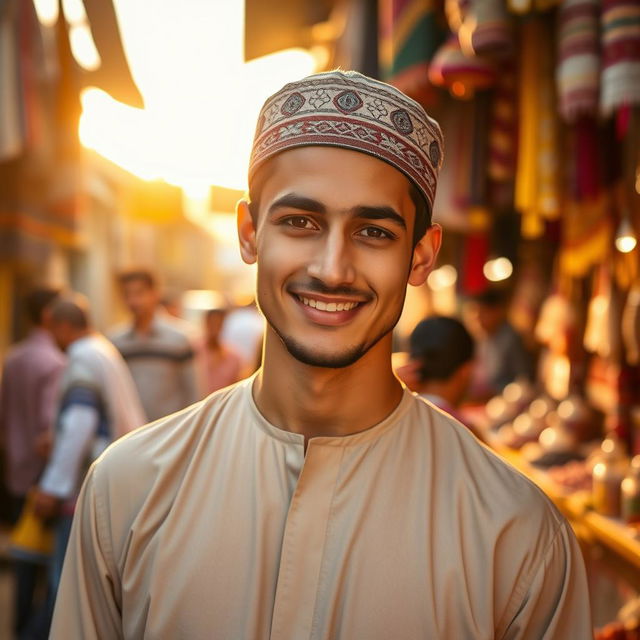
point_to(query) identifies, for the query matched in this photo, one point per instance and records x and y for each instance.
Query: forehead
(339, 178)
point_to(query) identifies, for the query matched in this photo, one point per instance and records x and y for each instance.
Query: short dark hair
(72, 309)
(37, 301)
(138, 275)
(422, 220)
(441, 345)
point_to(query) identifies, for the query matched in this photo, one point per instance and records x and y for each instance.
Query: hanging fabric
(409, 36)
(578, 72)
(537, 181)
(620, 54)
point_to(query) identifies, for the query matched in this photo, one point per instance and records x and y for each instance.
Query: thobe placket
(303, 543)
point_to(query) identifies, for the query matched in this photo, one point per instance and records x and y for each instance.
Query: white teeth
(328, 306)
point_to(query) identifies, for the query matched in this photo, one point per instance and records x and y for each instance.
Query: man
(157, 348)
(30, 379)
(220, 364)
(321, 499)
(501, 355)
(98, 404)
(441, 353)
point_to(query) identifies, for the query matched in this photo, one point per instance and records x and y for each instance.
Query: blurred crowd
(67, 392)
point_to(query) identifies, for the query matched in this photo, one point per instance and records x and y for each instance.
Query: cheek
(388, 276)
(279, 256)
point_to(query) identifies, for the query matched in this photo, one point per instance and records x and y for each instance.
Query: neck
(82, 333)
(316, 401)
(213, 344)
(143, 322)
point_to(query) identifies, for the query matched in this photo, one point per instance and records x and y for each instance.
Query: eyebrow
(295, 201)
(379, 213)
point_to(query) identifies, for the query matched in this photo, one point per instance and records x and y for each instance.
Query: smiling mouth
(331, 307)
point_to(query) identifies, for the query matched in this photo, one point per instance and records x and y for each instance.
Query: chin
(314, 358)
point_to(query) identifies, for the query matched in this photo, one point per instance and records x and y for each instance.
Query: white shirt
(106, 407)
(213, 523)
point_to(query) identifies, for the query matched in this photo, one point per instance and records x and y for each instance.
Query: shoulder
(119, 333)
(161, 447)
(482, 481)
(15, 354)
(137, 479)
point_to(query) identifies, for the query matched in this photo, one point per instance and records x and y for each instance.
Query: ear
(424, 255)
(246, 233)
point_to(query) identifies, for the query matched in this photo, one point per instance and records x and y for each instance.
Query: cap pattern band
(352, 111)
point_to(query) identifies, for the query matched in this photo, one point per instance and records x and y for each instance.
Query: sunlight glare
(74, 12)
(83, 47)
(47, 12)
(202, 100)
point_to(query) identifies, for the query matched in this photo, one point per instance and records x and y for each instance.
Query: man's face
(333, 243)
(485, 319)
(140, 298)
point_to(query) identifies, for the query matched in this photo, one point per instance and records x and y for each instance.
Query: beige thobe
(213, 523)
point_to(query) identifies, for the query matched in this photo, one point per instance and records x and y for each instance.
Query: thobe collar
(362, 437)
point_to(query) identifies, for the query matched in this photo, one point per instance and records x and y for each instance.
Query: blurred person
(158, 348)
(220, 364)
(243, 332)
(321, 498)
(501, 356)
(28, 392)
(98, 403)
(441, 354)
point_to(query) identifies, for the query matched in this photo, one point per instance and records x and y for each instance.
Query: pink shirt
(219, 369)
(28, 401)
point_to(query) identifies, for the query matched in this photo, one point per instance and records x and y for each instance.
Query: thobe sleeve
(552, 603)
(87, 605)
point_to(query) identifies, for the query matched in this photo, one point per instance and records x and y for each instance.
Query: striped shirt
(161, 363)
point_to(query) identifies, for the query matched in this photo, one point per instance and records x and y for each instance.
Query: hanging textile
(409, 36)
(453, 197)
(522, 7)
(537, 180)
(357, 46)
(620, 54)
(463, 75)
(476, 253)
(578, 72)
(587, 235)
(486, 29)
(631, 325)
(503, 138)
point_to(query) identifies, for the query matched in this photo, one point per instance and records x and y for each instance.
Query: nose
(332, 262)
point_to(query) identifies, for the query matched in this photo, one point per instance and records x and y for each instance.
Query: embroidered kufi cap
(349, 110)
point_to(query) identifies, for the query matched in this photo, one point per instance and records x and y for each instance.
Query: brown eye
(299, 222)
(375, 232)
